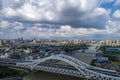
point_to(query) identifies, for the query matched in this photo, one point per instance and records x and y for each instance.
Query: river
(52, 76)
(48, 76)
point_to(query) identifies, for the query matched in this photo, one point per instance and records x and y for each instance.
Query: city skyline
(60, 19)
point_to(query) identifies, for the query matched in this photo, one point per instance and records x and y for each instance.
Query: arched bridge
(78, 68)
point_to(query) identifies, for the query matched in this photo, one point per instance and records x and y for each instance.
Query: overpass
(75, 68)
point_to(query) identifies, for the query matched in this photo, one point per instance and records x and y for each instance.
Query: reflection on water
(48, 76)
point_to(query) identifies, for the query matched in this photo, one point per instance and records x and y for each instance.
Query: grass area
(6, 72)
(73, 47)
(109, 52)
(112, 52)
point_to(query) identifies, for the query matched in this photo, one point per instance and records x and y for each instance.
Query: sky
(60, 19)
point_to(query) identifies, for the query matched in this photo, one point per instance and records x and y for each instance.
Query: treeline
(73, 47)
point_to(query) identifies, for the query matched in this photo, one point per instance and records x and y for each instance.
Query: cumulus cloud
(70, 32)
(113, 27)
(58, 19)
(4, 24)
(63, 32)
(99, 12)
(14, 25)
(17, 26)
(117, 3)
(116, 14)
(62, 12)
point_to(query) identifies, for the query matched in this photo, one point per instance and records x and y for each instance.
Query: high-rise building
(112, 43)
(1, 42)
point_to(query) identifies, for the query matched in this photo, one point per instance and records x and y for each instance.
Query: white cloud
(69, 19)
(62, 32)
(66, 31)
(117, 2)
(4, 24)
(11, 3)
(65, 12)
(113, 27)
(17, 25)
(116, 14)
(9, 12)
(99, 12)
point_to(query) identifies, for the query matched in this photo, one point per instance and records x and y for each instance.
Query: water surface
(48, 76)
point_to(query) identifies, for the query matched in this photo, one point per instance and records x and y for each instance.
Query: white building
(111, 43)
(4, 56)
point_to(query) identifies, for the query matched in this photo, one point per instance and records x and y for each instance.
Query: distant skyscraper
(1, 42)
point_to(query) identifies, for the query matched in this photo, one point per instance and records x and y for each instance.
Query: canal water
(48, 76)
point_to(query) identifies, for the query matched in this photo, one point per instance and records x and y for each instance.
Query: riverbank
(6, 72)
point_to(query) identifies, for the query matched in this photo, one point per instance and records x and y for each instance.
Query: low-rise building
(4, 56)
(103, 59)
(111, 43)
